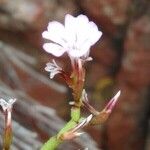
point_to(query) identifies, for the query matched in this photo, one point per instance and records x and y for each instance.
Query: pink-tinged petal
(55, 33)
(92, 25)
(94, 32)
(69, 20)
(81, 28)
(70, 26)
(55, 25)
(88, 34)
(91, 36)
(54, 49)
(46, 35)
(82, 20)
(95, 37)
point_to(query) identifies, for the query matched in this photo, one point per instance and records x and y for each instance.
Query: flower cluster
(75, 37)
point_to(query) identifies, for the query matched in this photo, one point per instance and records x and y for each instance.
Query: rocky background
(121, 61)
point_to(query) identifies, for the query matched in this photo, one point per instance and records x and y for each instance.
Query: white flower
(53, 68)
(6, 104)
(75, 37)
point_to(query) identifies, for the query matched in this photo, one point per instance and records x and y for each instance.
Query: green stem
(7, 138)
(55, 141)
(51, 144)
(77, 83)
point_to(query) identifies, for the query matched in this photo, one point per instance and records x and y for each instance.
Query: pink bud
(112, 102)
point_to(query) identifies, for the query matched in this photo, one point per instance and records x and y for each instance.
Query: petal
(54, 49)
(90, 35)
(82, 19)
(70, 26)
(81, 23)
(82, 28)
(96, 34)
(55, 33)
(69, 21)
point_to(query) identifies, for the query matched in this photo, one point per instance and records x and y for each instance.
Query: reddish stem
(8, 130)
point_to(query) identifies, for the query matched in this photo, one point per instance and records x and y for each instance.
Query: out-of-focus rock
(32, 14)
(36, 122)
(128, 125)
(29, 18)
(138, 35)
(104, 51)
(109, 14)
(126, 128)
(136, 62)
(120, 59)
(104, 57)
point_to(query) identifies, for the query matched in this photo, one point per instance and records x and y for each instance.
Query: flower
(53, 68)
(6, 105)
(75, 37)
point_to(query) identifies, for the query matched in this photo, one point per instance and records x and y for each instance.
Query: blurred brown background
(121, 61)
